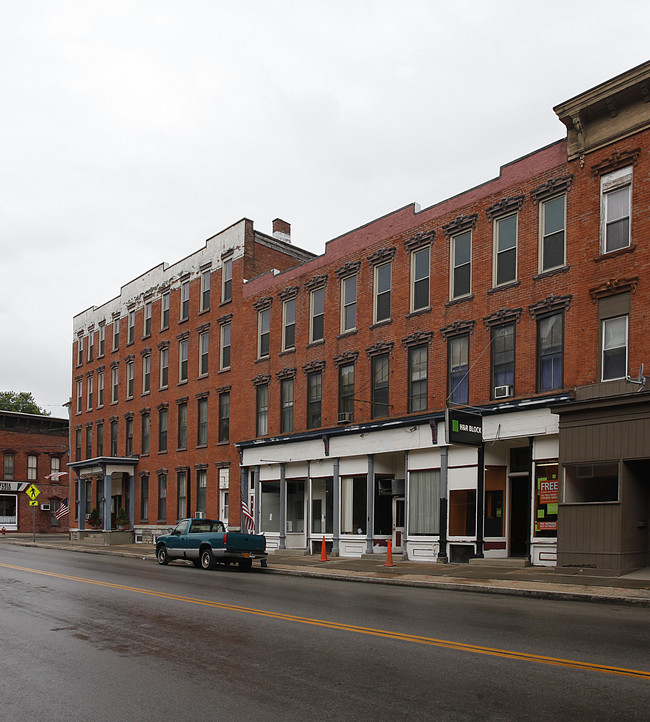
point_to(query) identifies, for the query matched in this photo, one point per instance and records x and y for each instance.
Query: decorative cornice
(128, 415)
(261, 379)
(223, 320)
(286, 373)
(379, 348)
(505, 205)
(618, 159)
(80, 377)
(129, 358)
(551, 188)
(316, 282)
(222, 464)
(201, 467)
(313, 366)
(424, 238)
(163, 344)
(227, 254)
(113, 419)
(223, 389)
(551, 304)
(503, 315)
(89, 374)
(143, 474)
(456, 328)
(161, 471)
(114, 364)
(460, 224)
(417, 338)
(202, 395)
(181, 469)
(100, 369)
(288, 293)
(613, 286)
(203, 327)
(145, 410)
(347, 357)
(383, 255)
(263, 303)
(348, 269)
(182, 400)
(162, 406)
(146, 351)
(183, 336)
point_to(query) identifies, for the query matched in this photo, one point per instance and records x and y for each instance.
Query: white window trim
(261, 332)
(602, 346)
(312, 315)
(284, 324)
(344, 305)
(223, 345)
(414, 279)
(376, 292)
(452, 265)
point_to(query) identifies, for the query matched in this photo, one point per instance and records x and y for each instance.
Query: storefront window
(424, 502)
(546, 498)
(295, 506)
(8, 509)
(590, 483)
(495, 492)
(462, 512)
(322, 506)
(270, 506)
(353, 505)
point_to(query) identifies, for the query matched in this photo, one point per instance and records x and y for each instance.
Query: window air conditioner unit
(45, 507)
(199, 515)
(345, 417)
(502, 392)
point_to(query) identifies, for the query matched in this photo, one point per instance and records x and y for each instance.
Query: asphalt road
(88, 637)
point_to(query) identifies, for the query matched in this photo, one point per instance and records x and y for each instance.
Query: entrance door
(397, 540)
(519, 511)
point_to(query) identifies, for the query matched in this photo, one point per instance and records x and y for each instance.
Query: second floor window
(418, 372)
(286, 418)
(614, 348)
(181, 485)
(100, 439)
(503, 360)
(129, 437)
(262, 410)
(32, 465)
(8, 469)
(224, 417)
(89, 392)
(114, 384)
(146, 374)
(550, 342)
(202, 421)
(162, 497)
(458, 369)
(379, 400)
(113, 438)
(182, 426)
(164, 367)
(616, 191)
(129, 379)
(146, 430)
(162, 429)
(505, 250)
(204, 347)
(314, 399)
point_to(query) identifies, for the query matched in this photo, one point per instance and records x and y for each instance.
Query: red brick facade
(33, 447)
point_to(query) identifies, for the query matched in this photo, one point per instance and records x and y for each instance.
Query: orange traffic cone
(389, 555)
(323, 552)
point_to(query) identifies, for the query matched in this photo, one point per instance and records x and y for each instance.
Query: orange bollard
(323, 552)
(389, 555)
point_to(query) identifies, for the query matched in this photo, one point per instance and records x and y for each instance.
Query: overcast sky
(132, 130)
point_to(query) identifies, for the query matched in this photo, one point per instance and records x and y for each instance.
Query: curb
(369, 578)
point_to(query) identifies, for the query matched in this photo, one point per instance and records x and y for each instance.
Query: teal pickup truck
(206, 543)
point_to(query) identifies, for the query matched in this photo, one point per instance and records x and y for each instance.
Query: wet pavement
(494, 576)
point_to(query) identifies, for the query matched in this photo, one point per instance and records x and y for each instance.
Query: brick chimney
(282, 230)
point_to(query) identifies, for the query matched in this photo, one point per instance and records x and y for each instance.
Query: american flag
(62, 510)
(247, 517)
(55, 475)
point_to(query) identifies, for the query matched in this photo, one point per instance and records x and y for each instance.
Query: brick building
(35, 451)
(320, 392)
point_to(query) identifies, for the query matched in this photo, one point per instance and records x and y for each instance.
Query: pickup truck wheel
(161, 555)
(206, 559)
(245, 565)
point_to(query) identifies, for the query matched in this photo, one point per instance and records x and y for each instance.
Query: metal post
(131, 500)
(243, 490)
(480, 500)
(283, 507)
(108, 495)
(444, 482)
(336, 506)
(530, 494)
(370, 498)
(257, 499)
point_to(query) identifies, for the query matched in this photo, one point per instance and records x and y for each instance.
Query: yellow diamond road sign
(33, 502)
(32, 492)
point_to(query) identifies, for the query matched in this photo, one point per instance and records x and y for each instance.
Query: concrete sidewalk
(500, 578)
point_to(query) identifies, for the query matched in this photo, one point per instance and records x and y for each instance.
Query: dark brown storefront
(604, 510)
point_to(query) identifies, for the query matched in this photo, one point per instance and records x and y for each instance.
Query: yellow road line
(399, 636)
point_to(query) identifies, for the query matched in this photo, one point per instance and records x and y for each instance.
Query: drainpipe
(336, 507)
(283, 507)
(370, 498)
(444, 479)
